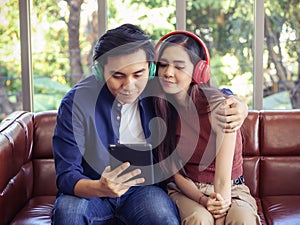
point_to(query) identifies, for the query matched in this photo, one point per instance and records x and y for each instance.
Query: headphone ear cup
(152, 70)
(201, 72)
(98, 72)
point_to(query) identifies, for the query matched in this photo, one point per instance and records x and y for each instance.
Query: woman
(206, 163)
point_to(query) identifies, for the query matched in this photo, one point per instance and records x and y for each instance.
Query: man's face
(127, 75)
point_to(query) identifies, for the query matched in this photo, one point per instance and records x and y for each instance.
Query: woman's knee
(191, 212)
(239, 215)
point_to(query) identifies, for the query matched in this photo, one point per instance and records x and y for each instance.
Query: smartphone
(140, 156)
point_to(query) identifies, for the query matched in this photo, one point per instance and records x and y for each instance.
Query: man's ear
(98, 71)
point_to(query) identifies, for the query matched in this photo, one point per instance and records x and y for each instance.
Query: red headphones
(202, 69)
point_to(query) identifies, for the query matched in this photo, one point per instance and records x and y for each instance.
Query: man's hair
(123, 40)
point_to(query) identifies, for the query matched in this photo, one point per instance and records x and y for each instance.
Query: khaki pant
(243, 209)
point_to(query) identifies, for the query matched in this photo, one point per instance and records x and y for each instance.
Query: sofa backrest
(280, 153)
(271, 156)
(26, 160)
(16, 169)
(251, 151)
(42, 154)
(272, 152)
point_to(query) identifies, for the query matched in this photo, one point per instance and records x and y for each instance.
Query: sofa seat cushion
(37, 211)
(282, 210)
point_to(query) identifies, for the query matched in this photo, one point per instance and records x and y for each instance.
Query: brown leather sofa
(27, 173)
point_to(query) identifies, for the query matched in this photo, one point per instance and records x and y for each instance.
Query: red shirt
(196, 146)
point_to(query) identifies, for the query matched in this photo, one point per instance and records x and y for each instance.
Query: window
(227, 28)
(62, 45)
(281, 55)
(10, 63)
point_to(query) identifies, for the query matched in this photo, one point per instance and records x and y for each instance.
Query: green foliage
(156, 17)
(225, 26)
(10, 80)
(44, 101)
(154, 3)
(46, 10)
(48, 93)
(47, 85)
(285, 17)
(9, 39)
(49, 38)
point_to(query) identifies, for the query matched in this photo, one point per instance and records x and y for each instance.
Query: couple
(120, 104)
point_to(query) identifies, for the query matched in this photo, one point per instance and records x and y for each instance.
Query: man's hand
(217, 206)
(113, 184)
(231, 114)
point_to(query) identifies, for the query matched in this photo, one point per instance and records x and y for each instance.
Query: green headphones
(98, 71)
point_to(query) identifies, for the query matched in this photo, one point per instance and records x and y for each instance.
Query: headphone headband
(202, 69)
(197, 38)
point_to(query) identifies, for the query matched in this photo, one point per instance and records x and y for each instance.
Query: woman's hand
(217, 206)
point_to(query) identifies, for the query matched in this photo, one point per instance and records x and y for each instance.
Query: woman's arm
(224, 160)
(225, 146)
(212, 203)
(188, 188)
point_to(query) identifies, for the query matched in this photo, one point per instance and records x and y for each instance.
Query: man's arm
(67, 155)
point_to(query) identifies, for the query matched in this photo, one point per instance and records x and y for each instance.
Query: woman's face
(175, 70)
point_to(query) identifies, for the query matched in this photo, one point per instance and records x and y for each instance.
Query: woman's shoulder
(210, 96)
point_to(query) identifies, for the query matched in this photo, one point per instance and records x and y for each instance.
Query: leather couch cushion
(45, 177)
(281, 136)
(16, 193)
(282, 210)
(43, 162)
(251, 152)
(271, 166)
(16, 172)
(251, 174)
(19, 135)
(280, 176)
(250, 134)
(36, 212)
(44, 124)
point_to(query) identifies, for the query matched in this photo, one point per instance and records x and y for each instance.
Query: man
(89, 119)
(108, 108)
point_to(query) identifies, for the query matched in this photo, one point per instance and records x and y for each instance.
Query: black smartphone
(138, 155)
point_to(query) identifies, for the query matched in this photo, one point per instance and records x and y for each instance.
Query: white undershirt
(131, 130)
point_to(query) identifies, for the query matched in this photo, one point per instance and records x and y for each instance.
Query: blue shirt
(87, 122)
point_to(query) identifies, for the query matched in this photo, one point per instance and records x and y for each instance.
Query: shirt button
(118, 117)
(119, 104)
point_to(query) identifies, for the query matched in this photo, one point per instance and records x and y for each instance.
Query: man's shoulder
(84, 93)
(226, 91)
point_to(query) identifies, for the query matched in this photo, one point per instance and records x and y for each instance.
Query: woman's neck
(182, 98)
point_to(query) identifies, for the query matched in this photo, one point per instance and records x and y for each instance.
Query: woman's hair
(201, 96)
(123, 40)
(191, 46)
